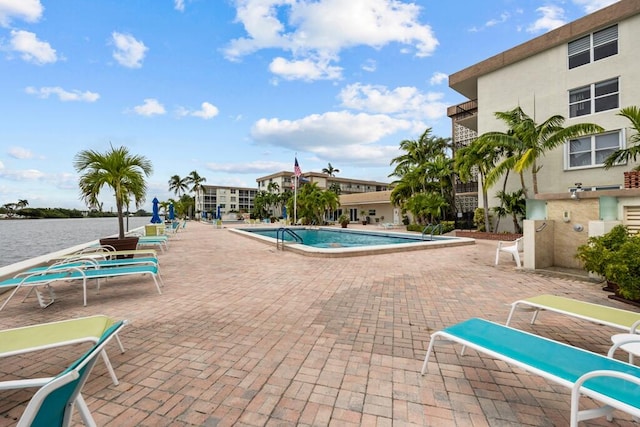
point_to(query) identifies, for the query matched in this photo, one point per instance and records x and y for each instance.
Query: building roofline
(465, 81)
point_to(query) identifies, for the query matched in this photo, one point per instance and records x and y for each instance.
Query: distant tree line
(39, 213)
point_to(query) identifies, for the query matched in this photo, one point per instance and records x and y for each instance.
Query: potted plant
(343, 220)
(363, 217)
(121, 172)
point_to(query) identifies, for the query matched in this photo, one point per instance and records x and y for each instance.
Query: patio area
(244, 335)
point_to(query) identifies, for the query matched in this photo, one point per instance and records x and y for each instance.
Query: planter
(343, 225)
(126, 244)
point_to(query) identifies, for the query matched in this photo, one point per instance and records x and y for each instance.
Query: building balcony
(465, 114)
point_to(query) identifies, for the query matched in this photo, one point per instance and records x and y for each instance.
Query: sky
(237, 89)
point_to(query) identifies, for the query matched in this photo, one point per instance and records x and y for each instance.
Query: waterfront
(28, 238)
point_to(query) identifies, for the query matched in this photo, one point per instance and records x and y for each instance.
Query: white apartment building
(585, 71)
(214, 199)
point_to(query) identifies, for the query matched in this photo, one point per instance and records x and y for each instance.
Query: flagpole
(295, 203)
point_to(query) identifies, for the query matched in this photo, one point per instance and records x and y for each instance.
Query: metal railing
(280, 233)
(432, 228)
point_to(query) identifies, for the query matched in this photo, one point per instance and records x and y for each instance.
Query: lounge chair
(53, 403)
(514, 250)
(614, 383)
(45, 336)
(74, 273)
(625, 320)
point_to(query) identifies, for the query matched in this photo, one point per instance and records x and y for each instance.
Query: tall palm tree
(178, 185)
(330, 170)
(631, 152)
(529, 141)
(117, 169)
(22, 203)
(480, 156)
(195, 180)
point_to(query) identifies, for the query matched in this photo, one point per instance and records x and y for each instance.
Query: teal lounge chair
(74, 273)
(52, 405)
(609, 381)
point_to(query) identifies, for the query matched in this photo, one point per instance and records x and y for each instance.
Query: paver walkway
(245, 335)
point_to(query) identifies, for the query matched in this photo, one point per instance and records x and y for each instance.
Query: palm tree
(511, 204)
(330, 170)
(529, 141)
(195, 180)
(631, 152)
(117, 169)
(478, 157)
(22, 203)
(178, 185)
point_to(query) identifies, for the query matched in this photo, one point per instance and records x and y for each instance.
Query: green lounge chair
(45, 336)
(53, 403)
(609, 381)
(626, 320)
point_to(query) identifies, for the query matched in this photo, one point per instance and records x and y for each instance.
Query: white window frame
(592, 97)
(592, 149)
(590, 43)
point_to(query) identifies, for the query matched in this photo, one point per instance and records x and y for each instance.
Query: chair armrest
(31, 382)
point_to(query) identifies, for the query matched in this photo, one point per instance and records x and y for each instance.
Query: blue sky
(235, 89)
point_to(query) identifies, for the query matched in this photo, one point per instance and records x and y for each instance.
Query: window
(597, 97)
(604, 42)
(592, 150)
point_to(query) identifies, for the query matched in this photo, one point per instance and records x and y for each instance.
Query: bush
(596, 252)
(623, 268)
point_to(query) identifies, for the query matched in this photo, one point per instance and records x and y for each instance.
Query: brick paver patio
(245, 335)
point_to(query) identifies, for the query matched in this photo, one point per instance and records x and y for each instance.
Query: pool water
(323, 238)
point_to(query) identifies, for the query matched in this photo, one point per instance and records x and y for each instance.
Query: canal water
(21, 239)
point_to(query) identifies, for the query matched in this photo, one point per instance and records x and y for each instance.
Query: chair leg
(497, 256)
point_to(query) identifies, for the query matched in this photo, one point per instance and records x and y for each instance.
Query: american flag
(296, 169)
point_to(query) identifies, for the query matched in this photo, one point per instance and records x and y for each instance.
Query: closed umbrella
(171, 213)
(155, 219)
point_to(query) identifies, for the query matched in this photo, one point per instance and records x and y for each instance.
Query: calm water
(21, 239)
(342, 238)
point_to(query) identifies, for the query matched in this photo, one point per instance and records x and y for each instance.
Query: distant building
(284, 179)
(212, 198)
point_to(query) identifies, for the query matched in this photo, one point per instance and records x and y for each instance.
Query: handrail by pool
(434, 227)
(289, 231)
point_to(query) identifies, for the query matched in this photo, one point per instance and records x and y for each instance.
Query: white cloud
(129, 52)
(179, 5)
(206, 111)
(438, 78)
(20, 153)
(63, 95)
(306, 69)
(593, 5)
(151, 107)
(26, 10)
(370, 65)
(404, 102)
(334, 129)
(504, 17)
(552, 17)
(255, 167)
(320, 30)
(22, 175)
(32, 49)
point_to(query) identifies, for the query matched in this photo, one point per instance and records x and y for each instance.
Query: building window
(596, 97)
(592, 150)
(603, 43)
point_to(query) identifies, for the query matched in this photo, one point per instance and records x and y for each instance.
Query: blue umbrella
(284, 212)
(219, 217)
(171, 213)
(155, 219)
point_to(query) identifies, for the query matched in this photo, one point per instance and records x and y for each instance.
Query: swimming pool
(340, 242)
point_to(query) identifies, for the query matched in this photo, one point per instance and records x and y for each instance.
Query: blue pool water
(340, 238)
